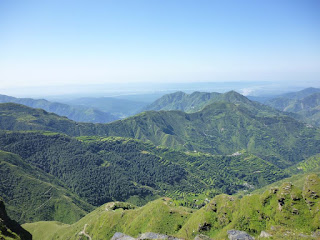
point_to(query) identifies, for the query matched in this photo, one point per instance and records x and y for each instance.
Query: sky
(79, 43)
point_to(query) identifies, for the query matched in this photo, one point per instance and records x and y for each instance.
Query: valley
(162, 171)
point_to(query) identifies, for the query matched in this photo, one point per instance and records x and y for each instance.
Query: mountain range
(188, 149)
(76, 113)
(304, 103)
(121, 108)
(220, 128)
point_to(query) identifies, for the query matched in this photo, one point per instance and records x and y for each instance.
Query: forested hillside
(107, 169)
(33, 195)
(220, 128)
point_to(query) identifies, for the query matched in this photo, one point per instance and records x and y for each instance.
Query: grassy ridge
(285, 212)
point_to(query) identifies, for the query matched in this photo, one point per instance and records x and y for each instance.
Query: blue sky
(52, 43)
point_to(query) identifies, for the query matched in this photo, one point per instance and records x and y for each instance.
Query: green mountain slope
(307, 107)
(224, 128)
(301, 94)
(220, 128)
(286, 212)
(116, 106)
(32, 195)
(10, 229)
(107, 169)
(196, 101)
(184, 102)
(76, 113)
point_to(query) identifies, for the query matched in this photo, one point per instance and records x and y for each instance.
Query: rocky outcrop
(121, 236)
(202, 237)
(148, 235)
(264, 234)
(239, 235)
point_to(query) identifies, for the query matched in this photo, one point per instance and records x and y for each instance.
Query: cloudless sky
(47, 43)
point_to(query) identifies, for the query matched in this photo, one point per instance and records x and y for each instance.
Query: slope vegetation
(32, 195)
(286, 212)
(10, 229)
(220, 128)
(107, 169)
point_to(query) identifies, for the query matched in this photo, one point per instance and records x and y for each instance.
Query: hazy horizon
(56, 47)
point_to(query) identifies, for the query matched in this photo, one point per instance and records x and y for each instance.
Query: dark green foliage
(76, 113)
(106, 169)
(32, 195)
(10, 229)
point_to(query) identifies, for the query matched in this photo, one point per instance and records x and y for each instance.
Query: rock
(239, 235)
(121, 236)
(303, 235)
(151, 235)
(202, 237)
(316, 234)
(265, 234)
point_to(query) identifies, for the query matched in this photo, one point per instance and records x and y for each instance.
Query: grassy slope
(284, 210)
(156, 216)
(32, 195)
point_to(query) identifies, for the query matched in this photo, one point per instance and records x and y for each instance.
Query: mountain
(196, 101)
(183, 102)
(76, 113)
(220, 128)
(100, 170)
(33, 195)
(305, 103)
(116, 106)
(285, 212)
(301, 94)
(10, 229)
